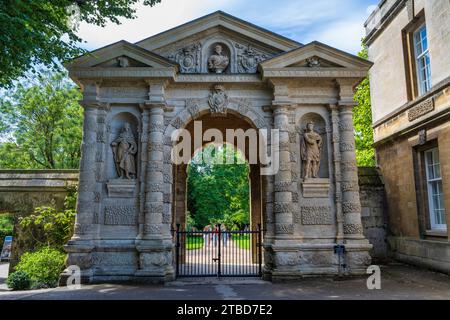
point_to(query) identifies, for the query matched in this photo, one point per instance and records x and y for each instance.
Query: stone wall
(373, 213)
(23, 190)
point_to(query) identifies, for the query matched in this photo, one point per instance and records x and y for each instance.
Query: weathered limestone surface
(229, 75)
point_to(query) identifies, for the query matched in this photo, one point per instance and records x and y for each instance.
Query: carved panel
(120, 215)
(316, 215)
(188, 58)
(421, 109)
(248, 58)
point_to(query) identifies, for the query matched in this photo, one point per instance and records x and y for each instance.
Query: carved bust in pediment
(218, 61)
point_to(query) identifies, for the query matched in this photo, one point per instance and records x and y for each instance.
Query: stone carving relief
(218, 101)
(218, 61)
(313, 62)
(124, 150)
(248, 58)
(316, 215)
(310, 150)
(188, 58)
(421, 109)
(120, 215)
(123, 62)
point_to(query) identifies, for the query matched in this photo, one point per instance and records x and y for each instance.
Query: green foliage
(48, 227)
(43, 266)
(362, 118)
(242, 240)
(6, 227)
(194, 242)
(41, 125)
(39, 32)
(218, 193)
(19, 280)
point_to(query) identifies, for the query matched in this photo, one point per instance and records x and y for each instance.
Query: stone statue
(124, 149)
(218, 62)
(310, 150)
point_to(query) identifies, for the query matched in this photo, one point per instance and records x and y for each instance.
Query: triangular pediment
(316, 55)
(216, 20)
(121, 54)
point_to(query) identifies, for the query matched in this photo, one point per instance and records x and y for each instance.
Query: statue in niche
(124, 149)
(218, 61)
(310, 150)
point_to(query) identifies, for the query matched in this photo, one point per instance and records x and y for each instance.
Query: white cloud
(335, 22)
(150, 21)
(344, 35)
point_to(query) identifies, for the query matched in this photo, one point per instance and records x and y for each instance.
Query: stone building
(409, 43)
(229, 74)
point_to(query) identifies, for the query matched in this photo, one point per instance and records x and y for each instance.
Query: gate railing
(218, 253)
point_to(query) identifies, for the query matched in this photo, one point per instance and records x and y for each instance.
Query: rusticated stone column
(351, 205)
(80, 246)
(336, 139)
(155, 243)
(153, 206)
(282, 207)
(87, 179)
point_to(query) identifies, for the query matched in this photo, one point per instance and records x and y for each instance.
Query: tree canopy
(41, 124)
(362, 118)
(218, 193)
(42, 32)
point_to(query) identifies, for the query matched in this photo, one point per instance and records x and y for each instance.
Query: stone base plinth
(305, 260)
(316, 187)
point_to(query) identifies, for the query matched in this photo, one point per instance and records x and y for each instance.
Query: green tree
(40, 32)
(362, 118)
(41, 124)
(218, 192)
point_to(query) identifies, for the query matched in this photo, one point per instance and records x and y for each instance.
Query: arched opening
(237, 207)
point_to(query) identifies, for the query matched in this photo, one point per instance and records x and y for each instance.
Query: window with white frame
(435, 192)
(422, 55)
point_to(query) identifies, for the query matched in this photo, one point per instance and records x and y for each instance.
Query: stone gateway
(228, 74)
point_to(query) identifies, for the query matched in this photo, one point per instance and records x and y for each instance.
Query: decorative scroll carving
(218, 101)
(120, 215)
(316, 215)
(192, 107)
(422, 137)
(188, 58)
(248, 58)
(421, 109)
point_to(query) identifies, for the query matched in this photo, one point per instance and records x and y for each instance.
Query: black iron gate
(218, 253)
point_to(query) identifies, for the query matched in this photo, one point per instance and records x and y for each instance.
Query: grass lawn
(193, 243)
(242, 240)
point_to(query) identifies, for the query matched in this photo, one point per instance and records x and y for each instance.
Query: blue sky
(338, 23)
